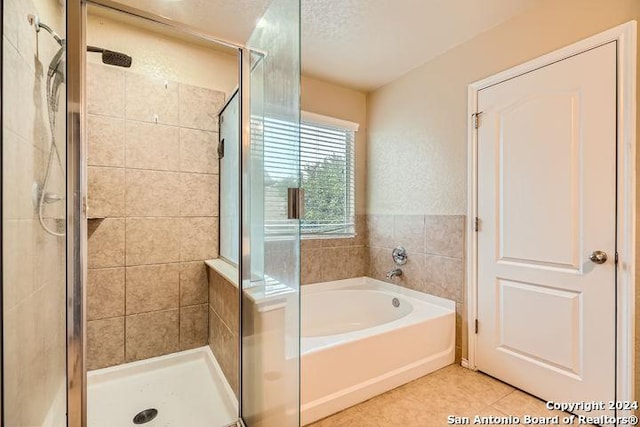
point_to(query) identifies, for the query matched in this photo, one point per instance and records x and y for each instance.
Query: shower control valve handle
(399, 255)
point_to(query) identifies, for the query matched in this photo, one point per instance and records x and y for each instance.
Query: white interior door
(546, 202)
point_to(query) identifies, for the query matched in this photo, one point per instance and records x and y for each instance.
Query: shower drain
(145, 416)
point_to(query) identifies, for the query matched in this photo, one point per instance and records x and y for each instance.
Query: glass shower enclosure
(44, 222)
(270, 258)
(34, 228)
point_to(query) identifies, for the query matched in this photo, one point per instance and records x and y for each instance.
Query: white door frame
(625, 36)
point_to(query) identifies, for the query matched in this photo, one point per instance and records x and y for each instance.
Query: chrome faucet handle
(399, 255)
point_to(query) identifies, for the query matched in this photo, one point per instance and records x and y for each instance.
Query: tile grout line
(168, 171)
(139, 121)
(513, 390)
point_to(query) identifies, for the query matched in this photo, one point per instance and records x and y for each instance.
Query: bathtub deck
(429, 400)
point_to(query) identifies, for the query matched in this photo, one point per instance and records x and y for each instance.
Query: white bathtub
(356, 344)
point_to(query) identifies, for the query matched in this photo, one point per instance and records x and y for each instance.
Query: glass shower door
(270, 253)
(34, 213)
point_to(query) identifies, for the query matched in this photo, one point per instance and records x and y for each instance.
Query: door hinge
(476, 119)
(476, 224)
(616, 259)
(476, 325)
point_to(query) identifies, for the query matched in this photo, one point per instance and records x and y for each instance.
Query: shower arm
(109, 57)
(35, 21)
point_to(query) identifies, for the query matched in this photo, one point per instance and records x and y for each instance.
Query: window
(327, 168)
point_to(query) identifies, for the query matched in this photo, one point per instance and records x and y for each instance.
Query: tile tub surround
(224, 311)
(436, 248)
(435, 245)
(153, 194)
(327, 260)
(33, 276)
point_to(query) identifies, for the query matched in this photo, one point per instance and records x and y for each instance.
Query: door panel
(523, 148)
(558, 315)
(546, 201)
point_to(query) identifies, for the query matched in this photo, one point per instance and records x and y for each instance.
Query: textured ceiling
(362, 44)
(229, 20)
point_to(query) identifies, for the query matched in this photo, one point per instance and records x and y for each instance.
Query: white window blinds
(327, 170)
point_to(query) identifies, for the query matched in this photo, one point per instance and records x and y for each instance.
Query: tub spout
(396, 272)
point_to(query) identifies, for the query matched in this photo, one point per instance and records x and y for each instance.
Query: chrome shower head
(110, 57)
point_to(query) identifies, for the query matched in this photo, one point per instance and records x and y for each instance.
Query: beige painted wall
(418, 124)
(162, 55)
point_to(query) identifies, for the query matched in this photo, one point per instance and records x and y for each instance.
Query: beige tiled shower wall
(224, 325)
(325, 260)
(435, 246)
(33, 276)
(153, 204)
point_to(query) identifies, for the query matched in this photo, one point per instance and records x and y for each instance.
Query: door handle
(295, 203)
(598, 257)
(221, 149)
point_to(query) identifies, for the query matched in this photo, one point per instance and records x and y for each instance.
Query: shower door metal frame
(76, 240)
(161, 20)
(2, 106)
(244, 200)
(76, 216)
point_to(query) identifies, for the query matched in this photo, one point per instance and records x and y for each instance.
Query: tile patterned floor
(429, 400)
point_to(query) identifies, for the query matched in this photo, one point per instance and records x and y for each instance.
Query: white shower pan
(186, 388)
